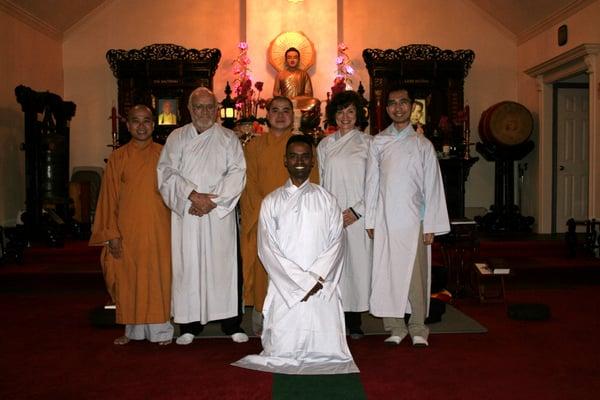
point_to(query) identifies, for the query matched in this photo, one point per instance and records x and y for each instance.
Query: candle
(467, 134)
(113, 117)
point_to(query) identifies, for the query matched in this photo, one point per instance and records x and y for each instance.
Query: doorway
(570, 155)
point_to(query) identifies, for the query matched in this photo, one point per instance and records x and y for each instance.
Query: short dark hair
(301, 138)
(343, 100)
(290, 50)
(399, 88)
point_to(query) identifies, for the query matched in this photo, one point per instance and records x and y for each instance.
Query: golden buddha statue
(294, 83)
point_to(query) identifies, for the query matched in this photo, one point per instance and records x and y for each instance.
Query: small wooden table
(458, 249)
(490, 280)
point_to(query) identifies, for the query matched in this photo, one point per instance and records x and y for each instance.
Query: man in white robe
(342, 170)
(201, 174)
(300, 242)
(405, 208)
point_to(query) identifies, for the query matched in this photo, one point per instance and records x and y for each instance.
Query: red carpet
(544, 253)
(50, 350)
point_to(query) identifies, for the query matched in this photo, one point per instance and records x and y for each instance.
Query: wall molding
(492, 20)
(83, 20)
(553, 19)
(31, 20)
(566, 64)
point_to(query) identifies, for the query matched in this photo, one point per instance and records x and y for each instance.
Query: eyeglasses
(203, 107)
(401, 102)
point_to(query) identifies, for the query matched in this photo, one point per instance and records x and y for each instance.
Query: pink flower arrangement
(241, 69)
(344, 70)
(247, 100)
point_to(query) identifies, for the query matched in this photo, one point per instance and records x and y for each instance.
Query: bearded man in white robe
(405, 208)
(201, 174)
(300, 242)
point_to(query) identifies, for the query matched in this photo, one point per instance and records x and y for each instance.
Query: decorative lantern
(228, 109)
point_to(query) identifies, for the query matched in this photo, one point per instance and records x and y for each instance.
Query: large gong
(505, 129)
(506, 124)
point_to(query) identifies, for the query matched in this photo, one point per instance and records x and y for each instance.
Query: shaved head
(133, 110)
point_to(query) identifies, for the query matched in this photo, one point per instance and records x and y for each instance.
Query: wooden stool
(489, 279)
(458, 249)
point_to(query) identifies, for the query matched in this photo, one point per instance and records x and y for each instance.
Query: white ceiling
(522, 16)
(59, 15)
(518, 16)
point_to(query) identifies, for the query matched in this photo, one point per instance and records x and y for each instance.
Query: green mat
(318, 387)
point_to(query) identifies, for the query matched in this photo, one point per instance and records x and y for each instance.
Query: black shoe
(356, 334)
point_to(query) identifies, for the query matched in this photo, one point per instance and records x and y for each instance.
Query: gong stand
(46, 147)
(504, 214)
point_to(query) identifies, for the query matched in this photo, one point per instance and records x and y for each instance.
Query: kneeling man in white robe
(300, 243)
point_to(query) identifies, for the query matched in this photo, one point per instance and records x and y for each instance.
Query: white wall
(381, 23)
(266, 19)
(583, 28)
(133, 24)
(28, 58)
(127, 24)
(449, 25)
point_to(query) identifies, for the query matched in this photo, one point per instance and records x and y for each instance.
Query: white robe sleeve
(230, 187)
(371, 186)
(291, 281)
(359, 206)
(174, 188)
(328, 265)
(321, 160)
(435, 219)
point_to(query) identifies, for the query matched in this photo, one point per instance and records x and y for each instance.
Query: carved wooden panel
(160, 71)
(437, 78)
(435, 75)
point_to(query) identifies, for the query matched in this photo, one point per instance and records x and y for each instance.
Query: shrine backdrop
(74, 65)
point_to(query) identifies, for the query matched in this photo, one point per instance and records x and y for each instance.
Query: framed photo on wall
(418, 115)
(168, 111)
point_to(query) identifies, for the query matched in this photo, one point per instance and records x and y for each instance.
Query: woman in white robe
(300, 242)
(342, 169)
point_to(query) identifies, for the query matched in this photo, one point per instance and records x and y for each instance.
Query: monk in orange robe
(133, 225)
(265, 172)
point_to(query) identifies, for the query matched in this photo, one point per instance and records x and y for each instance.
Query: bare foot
(165, 342)
(121, 340)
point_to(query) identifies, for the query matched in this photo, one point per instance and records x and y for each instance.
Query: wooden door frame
(555, 88)
(583, 58)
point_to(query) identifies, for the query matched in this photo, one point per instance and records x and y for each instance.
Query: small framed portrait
(419, 113)
(167, 112)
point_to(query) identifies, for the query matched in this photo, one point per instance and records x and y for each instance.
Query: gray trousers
(151, 332)
(417, 297)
